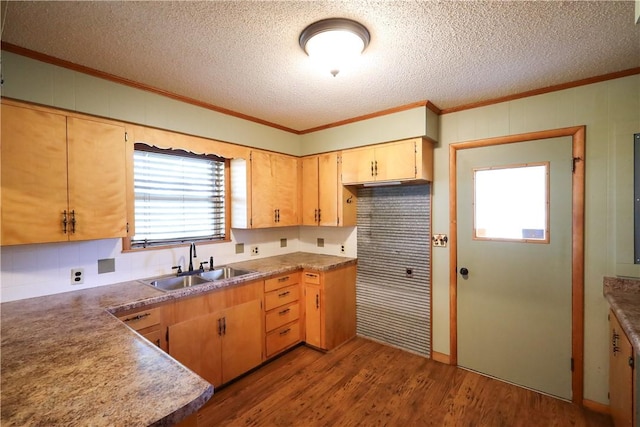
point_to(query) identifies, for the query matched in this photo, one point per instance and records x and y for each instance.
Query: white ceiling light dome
(333, 43)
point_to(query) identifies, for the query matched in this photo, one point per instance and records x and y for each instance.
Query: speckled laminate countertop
(624, 297)
(67, 361)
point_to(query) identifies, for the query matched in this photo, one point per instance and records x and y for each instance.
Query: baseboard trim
(440, 357)
(596, 406)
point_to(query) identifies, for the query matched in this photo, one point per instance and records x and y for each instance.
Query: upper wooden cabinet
(274, 190)
(324, 200)
(408, 160)
(63, 177)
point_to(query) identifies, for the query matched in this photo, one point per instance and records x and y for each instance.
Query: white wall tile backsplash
(34, 270)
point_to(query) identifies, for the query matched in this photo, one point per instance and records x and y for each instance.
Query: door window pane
(512, 203)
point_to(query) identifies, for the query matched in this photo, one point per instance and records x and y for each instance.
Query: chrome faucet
(192, 255)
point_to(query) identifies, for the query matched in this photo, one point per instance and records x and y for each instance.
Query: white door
(514, 304)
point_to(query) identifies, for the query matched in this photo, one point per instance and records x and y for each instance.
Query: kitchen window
(179, 197)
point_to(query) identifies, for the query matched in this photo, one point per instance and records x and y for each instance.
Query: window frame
(179, 151)
(547, 229)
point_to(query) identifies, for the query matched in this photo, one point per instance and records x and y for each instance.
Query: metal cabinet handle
(286, 331)
(319, 214)
(137, 317)
(224, 326)
(317, 301)
(219, 327)
(64, 221)
(73, 222)
(376, 168)
(372, 169)
(284, 294)
(283, 279)
(283, 312)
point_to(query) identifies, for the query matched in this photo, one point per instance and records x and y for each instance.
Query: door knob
(464, 271)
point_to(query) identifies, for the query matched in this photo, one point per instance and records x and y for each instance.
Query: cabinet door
(97, 183)
(196, 343)
(620, 375)
(395, 161)
(34, 176)
(262, 190)
(358, 166)
(328, 189)
(242, 339)
(339, 310)
(310, 190)
(313, 320)
(286, 190)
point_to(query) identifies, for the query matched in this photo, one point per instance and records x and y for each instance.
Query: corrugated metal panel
(393, 235)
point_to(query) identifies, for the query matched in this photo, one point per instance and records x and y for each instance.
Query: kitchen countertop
(624, 297)
(67, 361)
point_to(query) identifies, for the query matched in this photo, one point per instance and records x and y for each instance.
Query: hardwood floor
(364, 383)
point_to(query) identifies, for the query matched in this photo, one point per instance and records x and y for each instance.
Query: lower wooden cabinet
(282, 312)
(149, 322)
(330, 306)
(621, 375)
(219, 335)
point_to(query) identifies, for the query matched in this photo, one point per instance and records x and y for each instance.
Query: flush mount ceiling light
(334, 42)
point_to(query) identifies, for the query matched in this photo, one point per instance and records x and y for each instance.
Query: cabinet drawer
(142, 319)
(281, 281)
(281, 297)
(282, 338)
(312, 278)
(282, 315)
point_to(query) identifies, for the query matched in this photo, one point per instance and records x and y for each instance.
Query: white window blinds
(178, 197)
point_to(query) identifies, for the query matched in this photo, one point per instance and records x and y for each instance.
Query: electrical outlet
(77, 276)
(341, 249)
(254, 250)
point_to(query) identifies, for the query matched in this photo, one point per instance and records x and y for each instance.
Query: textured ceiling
(244, 55)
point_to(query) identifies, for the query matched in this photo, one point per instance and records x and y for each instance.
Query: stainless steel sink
(221, 273)
(173, 283)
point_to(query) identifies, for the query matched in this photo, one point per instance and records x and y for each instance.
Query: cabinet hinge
(572, 364)
(575, 160)
(126, 137)
(415, 147)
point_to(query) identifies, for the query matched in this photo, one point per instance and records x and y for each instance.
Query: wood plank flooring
(364, 383)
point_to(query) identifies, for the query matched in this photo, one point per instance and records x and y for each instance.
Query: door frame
(577, 134)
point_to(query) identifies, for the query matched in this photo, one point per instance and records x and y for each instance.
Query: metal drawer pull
(311, 275)
(317, 301)
(283, 279)
(286, 331)
(284, 294)
(138, 317)
(283, 312)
